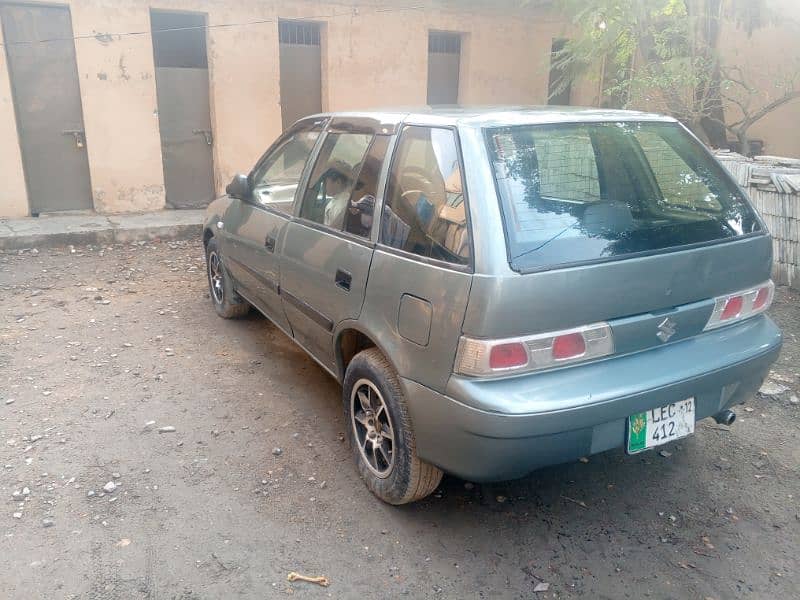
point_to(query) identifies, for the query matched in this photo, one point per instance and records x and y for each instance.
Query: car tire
(227, 303)
(391, 470)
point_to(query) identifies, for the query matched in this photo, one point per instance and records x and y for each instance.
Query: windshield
(593, 191)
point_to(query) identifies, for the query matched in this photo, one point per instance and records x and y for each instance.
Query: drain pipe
(726, 417)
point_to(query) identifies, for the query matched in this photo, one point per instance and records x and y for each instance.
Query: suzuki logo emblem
(666, 329)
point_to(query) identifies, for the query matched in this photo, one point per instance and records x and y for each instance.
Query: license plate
(660, 426)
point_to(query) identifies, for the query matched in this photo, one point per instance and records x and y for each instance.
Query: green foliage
(662, 55)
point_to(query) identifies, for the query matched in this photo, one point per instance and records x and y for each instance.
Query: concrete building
(137, 105)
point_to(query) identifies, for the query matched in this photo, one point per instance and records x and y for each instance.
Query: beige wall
(119, 107)
(13, 196)
(371, 58)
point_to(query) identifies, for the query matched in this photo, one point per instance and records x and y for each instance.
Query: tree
(665, 55)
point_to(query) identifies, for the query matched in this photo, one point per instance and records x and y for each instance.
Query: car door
(422, 266)
(256, 226)
(327, 249)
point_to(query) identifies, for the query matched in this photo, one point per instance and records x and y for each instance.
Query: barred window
(302, 33)
(443, 42)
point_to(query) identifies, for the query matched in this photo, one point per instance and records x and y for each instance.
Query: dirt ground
(100, 348)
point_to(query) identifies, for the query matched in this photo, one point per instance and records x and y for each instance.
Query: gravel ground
(101, 349)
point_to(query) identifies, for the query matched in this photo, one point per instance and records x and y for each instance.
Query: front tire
(381, 434)
(227, 303)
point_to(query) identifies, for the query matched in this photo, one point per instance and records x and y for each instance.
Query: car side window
(358, 219)
(276, 179)
(334, 178)
(424, 212)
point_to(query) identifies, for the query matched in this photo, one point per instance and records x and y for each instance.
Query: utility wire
(105, 36)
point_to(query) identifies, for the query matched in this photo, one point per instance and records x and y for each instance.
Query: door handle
(206, 133)
(78, 134)
(343, 279)
(269, 243)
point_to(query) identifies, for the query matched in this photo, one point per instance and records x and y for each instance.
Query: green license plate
(660, 426)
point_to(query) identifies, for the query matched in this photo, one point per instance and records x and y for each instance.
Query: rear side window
(594, 191)
(424, 212)
(334, 178)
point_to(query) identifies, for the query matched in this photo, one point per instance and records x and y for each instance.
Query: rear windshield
(583, 192)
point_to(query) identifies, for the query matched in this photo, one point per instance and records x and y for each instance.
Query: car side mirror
(239, 187)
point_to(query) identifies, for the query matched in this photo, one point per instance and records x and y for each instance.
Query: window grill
(300, 33)
(442, 42)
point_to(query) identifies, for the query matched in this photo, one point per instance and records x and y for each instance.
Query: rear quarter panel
(445, 290)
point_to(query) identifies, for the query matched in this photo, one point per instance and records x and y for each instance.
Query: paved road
(99, 349)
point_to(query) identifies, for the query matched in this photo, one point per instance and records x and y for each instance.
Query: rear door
(255, 227)
(327, 249)
(422, 269)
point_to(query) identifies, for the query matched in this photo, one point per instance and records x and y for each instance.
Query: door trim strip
(326, 368)
(309, 311)
(269, 283)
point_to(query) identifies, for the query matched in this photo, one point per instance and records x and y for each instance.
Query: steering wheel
(415, 181)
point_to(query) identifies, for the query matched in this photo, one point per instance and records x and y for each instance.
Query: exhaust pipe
(726, 417)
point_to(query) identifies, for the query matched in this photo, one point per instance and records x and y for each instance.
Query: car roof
(493, 116)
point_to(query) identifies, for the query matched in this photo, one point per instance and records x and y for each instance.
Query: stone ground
(101, 348)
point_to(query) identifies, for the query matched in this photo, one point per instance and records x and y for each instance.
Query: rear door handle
(343, 279)
(269, 244)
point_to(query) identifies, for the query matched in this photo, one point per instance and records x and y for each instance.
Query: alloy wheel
(216, 277)
(372, 427)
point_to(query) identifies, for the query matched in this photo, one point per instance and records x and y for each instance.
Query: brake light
(508, 356)
(481, 358)
(733, 308)
(569, 346)
(762, 297)
(741, 305)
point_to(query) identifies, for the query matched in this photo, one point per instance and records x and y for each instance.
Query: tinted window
(358, 219)
(334, 178)
(424, 211)
(275, 180)
(679, 184)
(578, 192)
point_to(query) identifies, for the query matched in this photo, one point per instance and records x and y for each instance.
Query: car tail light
(508, 356)
(763, 297)
(482, 358)
(741, 305)
(733, 308)
(571, 345)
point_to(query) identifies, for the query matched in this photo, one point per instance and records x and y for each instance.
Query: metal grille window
(299, 32)
(442, 42)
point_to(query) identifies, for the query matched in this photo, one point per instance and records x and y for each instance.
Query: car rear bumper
(492, 430)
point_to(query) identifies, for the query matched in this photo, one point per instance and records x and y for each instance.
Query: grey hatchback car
(502, 289)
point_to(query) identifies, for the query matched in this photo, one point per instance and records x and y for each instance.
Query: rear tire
(227, 303)
(381, 434)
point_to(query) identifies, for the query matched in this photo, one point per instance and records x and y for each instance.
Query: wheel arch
(350, 338)
(208, 233)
